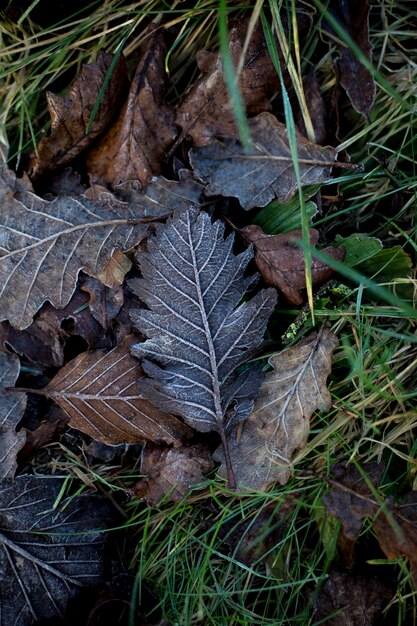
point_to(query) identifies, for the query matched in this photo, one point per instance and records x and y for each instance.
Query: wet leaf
(198, 333)
(12, 406)
(171, 472)
(56, 550)
(355, 78)
(134, 146)
(262, 449)
(348, 599)
(281, 261)
(45, 244)
(265, 171)
(351, 499)
(206, 112)
(70, 114)
(101, 394)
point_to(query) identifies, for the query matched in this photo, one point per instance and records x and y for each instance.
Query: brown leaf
(102, 396)
(42, 435)
(105, 303)
(351, 499)
(348, 599)
(355, 78)
(206, 111)
(171, 472)
(134, 146)
(265, 171)
(316, 108)
(115, 271)
(281, 261)
(12, 407)
(279, 423)
(43, 342)
(70, 114)
(46, 244)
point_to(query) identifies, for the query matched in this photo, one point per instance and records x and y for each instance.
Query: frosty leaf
(279, 423)
(264, 172)
(102, 396)
(12, 406)
(44, 245)
(46, 553)
(198, 333)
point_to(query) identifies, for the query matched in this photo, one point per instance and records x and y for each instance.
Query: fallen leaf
(70, 114)
(44, 342)
(42, 435)
(12, 407)
(261, 451)
(351, 499)
(101, 394)
(115, 271)
(348, 599)
(47, 547)
(134, 146)
(316, 108)
(46, 244)
(171, 472)
(198, 332)
(355, 78)
(281, 261)
(265, 171)
(207, 112)
(104, 303)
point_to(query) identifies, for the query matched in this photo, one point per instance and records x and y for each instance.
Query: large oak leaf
(47, 551)
(102, 396)
(44, 245)
(12, 406)
(265, 171)
(198, 333)
(134, 146)
(279, 423)
(70, 114)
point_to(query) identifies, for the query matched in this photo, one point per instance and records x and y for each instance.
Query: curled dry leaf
(265, 171)
(115, 271)
(206, 111)
(104, 303)
(12, 406)
(355, 78)
(261, 451)
(102, 396)
(281, 261)
(171, 472)
(351, 499)
(134, 146)
(46, 547)
(198, 332)
(70, 114)
(46, 244)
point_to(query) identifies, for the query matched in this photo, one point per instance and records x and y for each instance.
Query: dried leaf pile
(143, 310)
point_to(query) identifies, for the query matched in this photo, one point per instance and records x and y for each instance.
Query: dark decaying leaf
(45, 244)
(134, 146)
(262, 450)
(102, 396)
(198, 332)
(281, 261)
(47, 553)
(355, 78)
(316, 108)
(348, 599)
(207, 111)
(70, 114)
(12, 406)
(171, 472)
(351, 499)
(104, 303)
(265, 171)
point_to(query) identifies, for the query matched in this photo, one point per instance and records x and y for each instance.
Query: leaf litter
(197, 310)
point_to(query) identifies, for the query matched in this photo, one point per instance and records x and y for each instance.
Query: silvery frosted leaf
(199, 332)
(12, 407)
(46, 553)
